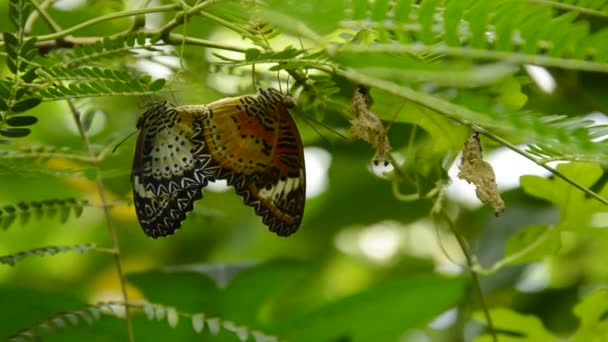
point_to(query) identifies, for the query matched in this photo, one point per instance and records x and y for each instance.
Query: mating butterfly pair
(250, 141)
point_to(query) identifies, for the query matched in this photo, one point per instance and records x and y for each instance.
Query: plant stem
(542, 164)
(40, 12)
(485, 54)
(106, 211)
(572, 8)
(448, 110)
(107, 17)
(471, 263)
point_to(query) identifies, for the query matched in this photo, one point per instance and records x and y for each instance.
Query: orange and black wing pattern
(256, 147)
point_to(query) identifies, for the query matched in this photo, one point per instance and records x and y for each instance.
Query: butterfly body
(250, 141)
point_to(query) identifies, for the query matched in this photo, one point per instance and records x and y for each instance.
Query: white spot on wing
(140, 189)
(281, 188)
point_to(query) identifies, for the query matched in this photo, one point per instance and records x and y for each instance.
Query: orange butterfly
(251, 141)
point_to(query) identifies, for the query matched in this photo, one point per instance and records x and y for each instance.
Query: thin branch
(569, 7)
(176, 38)
(107, 17)
(40, 12)
(181, 18)
(468, 52)
(471, 263)
(102, 196)
(448, 110)
(507, 260)
(540, 163)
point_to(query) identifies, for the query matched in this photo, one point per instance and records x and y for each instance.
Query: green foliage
(60, 321)
(436, 71)
(108, 48)
(591, 312)
(39, 209)
(46, 78)
(11, 259)
(518, 327)
(532, 243)
(575, 208)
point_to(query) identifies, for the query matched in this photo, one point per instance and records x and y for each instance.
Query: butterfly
(250, 141)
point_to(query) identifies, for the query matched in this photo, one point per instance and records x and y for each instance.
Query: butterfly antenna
(315, 129)
(123, 140)
(279, 80)
(287, 82)
(308, 121)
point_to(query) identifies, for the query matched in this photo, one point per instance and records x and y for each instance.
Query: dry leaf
(477, 171)
(367, 126)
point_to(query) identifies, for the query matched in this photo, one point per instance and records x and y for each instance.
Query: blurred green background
(363, 266)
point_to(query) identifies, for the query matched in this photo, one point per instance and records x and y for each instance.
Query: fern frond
(108, 48)
(43, 153)
(60, 321)
(102, 87)
(18, 11)
(20, 54)
(243, 18)
(152, 311)
(11, 259)
(514, 31)
(40, 209)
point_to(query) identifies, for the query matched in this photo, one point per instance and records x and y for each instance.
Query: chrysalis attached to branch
(477, 171)
(367, 126)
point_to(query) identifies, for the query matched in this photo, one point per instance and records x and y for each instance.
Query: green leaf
(27, 48)
(5, 89)
(18, 12)
(11, 259)
(520, 327)
(30, 75)
(20, 121)
(321, 16)
(131, 40)
(11, 65)
(426, 19)
(359, 9)
(532, 243)
(157, 85)
(141, 39)
(381, 313)
(172, 317)
(190, 291)
(15, 132)
(11, 43)
(3, 106)
(252, 54)
(107, 43)
(591, 312)
(402, 10)
(380, 10)
(198, 323)
(26, 104)
(575, 209)
(249, 289)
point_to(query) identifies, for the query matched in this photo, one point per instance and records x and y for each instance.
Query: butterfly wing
(258, 149)
(167, 175)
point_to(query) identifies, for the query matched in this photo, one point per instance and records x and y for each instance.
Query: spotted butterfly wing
(167, 174)
(256, 147)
